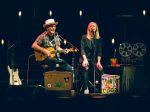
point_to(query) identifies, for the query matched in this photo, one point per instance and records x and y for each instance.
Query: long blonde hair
(97, 34)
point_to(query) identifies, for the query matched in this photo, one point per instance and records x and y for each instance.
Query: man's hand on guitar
(66, 51)
(47, 52)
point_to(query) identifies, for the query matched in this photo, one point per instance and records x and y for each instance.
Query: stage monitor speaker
(58, 80)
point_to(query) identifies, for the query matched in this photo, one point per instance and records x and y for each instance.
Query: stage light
(19, 13)
(114, 50)
(144, 12)
(80, 13)
(50, 13)
(113, 41)
(2, 42)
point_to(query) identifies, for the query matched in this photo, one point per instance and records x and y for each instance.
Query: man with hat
(47, 47)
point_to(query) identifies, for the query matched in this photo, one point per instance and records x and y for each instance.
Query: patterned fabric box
(110, 84)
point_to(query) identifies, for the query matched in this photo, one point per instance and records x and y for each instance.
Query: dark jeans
(51, 62)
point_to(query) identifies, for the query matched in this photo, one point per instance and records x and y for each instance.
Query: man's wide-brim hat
(49, 22)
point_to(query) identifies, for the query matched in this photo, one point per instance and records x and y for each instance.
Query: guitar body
(52, 55)
(39, 56)
(14, 76)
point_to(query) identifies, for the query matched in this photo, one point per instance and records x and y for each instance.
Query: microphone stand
(94, 69)
(73, 58)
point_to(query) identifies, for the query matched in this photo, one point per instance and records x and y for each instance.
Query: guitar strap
(57, 43)
(50, 42)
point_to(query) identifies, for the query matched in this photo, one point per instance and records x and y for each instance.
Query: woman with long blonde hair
(91, 52)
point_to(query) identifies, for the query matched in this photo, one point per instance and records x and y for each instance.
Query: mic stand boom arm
(65, 41)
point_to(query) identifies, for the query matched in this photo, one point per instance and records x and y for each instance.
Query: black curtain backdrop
(120, 19)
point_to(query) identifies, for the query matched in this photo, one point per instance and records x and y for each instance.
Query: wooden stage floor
(35, 98)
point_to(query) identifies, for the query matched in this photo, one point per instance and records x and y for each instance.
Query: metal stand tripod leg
(94, 80)
(89, 83)
(81, 87)
(96, 73)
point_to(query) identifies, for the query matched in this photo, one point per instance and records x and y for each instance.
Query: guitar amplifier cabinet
(58, 80)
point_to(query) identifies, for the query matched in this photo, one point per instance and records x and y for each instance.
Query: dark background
(121, 19)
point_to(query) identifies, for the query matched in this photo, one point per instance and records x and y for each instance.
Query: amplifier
(58, 80)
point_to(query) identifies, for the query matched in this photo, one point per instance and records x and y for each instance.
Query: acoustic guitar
(39, 56)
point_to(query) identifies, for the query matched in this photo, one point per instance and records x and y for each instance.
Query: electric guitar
(39, 56)
(14, 76)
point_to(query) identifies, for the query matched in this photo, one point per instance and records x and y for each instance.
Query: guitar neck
(57, 51)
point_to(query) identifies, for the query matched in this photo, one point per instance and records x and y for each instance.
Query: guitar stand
(10, 49)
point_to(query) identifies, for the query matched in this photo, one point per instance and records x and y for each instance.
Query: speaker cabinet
(58, 80)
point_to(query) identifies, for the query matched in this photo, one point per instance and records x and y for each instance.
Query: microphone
(94, 32)
(87, 67)
(56, 34)
(64, 40)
